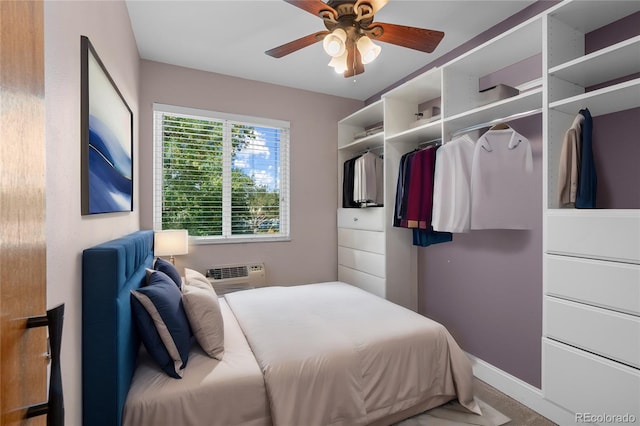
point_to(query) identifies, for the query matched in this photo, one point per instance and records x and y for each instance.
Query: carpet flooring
(520, 414)
(497, 410)
(453, 414)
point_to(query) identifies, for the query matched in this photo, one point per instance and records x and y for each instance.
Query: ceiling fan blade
(292, 46)
(313, 6)
(411, 37)
(354, 61)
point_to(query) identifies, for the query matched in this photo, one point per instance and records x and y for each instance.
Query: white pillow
(195, 278)
(203, 312)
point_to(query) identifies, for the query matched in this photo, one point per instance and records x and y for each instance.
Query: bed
(325, 354)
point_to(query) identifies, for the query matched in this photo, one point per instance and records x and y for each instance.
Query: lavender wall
(311, 255)
(486, 286)
(615, 32)
(616, 150)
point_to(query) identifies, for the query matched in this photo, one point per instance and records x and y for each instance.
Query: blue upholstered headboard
(109, 340)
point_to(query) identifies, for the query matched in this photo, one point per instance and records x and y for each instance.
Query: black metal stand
(54, 408)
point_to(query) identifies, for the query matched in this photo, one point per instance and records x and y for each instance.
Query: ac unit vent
(247, 275)
(225, 272)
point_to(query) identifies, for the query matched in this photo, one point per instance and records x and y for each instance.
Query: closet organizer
(591, 271)
(591, 328)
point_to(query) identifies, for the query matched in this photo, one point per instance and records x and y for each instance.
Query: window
(222, 177)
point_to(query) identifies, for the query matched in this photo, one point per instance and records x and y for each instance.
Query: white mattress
(225, 393)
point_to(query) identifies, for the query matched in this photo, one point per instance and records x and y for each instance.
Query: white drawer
(370, 218)
(585, 383)
(371, 263)
(372, 241)
(370, 283)
(609, 285)
(598, 234)
(604, 332)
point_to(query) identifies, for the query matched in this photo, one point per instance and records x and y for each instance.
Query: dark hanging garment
(427, 237)
(402, 190)
(347, 183)
(587, 182)
(399, 191)
(424, 235)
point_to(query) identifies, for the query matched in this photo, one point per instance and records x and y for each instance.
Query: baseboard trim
(521, 391)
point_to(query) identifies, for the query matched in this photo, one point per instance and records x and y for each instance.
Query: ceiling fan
(350, 31)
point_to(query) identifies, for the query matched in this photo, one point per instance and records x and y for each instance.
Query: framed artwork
(107, 139)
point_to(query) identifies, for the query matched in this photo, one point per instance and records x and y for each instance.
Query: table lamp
(173, 242)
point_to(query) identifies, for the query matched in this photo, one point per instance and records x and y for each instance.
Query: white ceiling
(230, 37)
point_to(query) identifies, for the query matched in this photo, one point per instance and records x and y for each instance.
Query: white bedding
(333, 354)
(223, 393)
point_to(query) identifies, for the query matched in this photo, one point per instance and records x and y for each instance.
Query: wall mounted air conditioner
(240, 276)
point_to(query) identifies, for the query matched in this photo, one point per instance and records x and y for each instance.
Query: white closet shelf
(523, 102)
(586, 16)
(367, 116)
(418, 134)
(376, 139)
(521, 42)
(619, 97)
(612, 62)
(422, 88)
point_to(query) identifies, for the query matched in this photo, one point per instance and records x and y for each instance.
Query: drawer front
(371, 263)
(609, 285)
(597, 234)
(604, 332)
(371, 219)
(586, 383)
(372, 241)
(367, 282)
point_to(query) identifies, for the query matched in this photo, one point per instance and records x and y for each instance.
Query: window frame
(284, 164)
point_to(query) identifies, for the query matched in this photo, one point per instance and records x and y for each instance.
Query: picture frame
(107, 139)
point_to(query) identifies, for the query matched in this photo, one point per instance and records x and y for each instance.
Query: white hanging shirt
(502, 181)
(365, 179)
(451, 186)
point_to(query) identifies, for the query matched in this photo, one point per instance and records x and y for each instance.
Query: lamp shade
(339, 63)
(334, 43)
(368, 49)
(171, 242)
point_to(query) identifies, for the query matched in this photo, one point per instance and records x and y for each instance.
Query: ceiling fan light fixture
(339, 63)
(335, 43)
(369, 51)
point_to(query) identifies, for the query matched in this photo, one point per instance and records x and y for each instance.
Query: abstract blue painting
(107, 146)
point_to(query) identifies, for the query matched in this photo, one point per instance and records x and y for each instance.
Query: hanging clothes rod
(436, 141)
(373, 148)
(496, 121)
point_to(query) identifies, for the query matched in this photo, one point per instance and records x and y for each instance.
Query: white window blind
(222, 177)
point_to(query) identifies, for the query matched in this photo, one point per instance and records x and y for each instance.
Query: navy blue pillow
(162, 323)
(168, 268)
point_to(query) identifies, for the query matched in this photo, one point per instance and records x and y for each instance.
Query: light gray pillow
(205, 317)
(195, 278)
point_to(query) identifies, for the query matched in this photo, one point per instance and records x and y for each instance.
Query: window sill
(237, 240)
